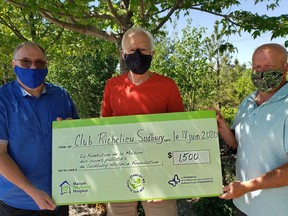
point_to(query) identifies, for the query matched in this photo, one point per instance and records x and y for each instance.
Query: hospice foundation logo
(74, 187)
(136, 183)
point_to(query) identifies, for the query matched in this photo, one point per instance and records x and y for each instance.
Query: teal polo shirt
(262, 135)
(26, 128)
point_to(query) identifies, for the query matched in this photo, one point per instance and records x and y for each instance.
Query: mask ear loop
(285, 69)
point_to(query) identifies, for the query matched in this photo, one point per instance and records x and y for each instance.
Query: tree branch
(224, 16)
(13, 29)
(67, 16)
(88, 30)
(142, 9)
(115, 15)
(164, 20)
(57, 36)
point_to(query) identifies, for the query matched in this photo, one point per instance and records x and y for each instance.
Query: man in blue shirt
(28, 105)
(261, 138)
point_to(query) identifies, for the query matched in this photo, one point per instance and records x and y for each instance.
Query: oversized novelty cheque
(142, 157)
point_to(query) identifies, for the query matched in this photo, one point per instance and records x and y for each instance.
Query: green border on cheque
(134, 118)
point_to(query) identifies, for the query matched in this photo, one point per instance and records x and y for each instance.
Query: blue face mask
(31, 78)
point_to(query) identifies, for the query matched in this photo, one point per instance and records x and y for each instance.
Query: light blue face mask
(31, 78)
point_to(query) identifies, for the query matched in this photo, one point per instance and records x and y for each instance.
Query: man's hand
(234, 190)
(154, 201)
(42, 199)
(60, 119)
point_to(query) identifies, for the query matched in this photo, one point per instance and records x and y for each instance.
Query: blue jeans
(6, 210)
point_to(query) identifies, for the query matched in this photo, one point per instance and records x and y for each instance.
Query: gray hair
(137, 30)
(27, 43)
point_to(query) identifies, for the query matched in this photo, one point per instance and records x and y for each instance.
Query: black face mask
(137, 62)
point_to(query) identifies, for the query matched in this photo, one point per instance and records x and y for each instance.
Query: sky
(244, 43)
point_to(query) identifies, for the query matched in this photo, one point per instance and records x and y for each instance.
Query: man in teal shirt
(261, 138)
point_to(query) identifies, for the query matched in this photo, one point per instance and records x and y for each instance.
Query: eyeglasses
(26, 63)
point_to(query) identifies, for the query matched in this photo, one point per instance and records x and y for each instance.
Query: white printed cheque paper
(142, 157)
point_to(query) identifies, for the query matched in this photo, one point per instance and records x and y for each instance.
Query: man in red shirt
(140, 91)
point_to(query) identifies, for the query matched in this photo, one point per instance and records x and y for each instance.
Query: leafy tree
(77, 62)
(219, 55)
(17, 26)
(205, 74)
(240, 88)
(232, 81)
(7, 39)
(203, 70)
(5, 59)
(84, 73)
(183, 59)
(23, 25)
(108, 20)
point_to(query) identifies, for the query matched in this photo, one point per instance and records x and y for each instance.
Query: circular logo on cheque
(136, 183)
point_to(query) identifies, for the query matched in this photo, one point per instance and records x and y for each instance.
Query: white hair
(137, 30)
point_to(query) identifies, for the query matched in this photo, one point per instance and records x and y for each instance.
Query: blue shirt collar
(21, 92)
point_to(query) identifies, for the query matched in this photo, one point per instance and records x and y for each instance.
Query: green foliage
(108, 20)
(83, 75)
(8, 41)
(241, 86)
(140, 209)
(184, 60)
(213, 206)
(203, 70)
(257, 24)
(19, 25)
